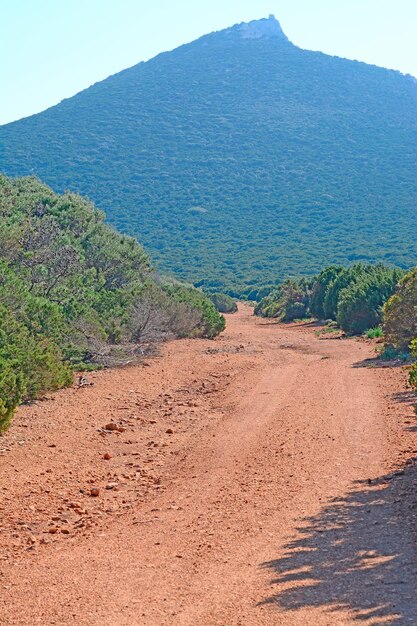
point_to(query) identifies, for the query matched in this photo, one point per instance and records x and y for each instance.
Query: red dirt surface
(264, 478)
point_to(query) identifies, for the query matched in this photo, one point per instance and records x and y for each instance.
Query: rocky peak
(258, 29)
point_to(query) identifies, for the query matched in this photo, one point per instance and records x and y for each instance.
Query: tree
(360, 305)
(400, 313)
(320, 287)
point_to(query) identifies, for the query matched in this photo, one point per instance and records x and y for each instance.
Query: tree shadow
(405, 397)
(380, 363)
(409, 399)
(356, 555)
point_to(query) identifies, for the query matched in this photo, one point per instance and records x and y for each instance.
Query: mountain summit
(239, 158)
(257, 29)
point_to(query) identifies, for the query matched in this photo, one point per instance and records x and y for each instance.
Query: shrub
(373, 333)
(400, 313)
(360, 304)
(11, 392)
(413, 371)
(320, 287)
(287, 303)
(210, 323)
(223, 303)
(74, 293)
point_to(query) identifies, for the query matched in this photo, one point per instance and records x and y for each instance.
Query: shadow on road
(379, 363)
(357, 555)
(405, 397)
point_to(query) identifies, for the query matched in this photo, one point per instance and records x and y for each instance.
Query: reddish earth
(264, 478)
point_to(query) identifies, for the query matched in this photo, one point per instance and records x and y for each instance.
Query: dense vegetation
(351, 296)
(400, 321)
(289, 301)
(75, 294)
(400, 313)
(413, 371)
(239, 159)
(223, 302)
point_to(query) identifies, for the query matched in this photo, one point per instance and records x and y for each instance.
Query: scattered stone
(84, 382)
(65, 531)
(111, 426)
(94, 492)
(53, 530)
(112, 485)
(169, 431)
(107, 456)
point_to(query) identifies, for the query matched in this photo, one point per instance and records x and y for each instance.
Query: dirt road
(253, 480)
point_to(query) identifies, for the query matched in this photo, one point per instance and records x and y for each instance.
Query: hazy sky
(51, 49)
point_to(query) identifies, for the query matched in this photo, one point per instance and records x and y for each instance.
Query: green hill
(240, 158)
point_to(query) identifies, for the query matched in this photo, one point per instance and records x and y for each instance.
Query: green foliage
(223, 302)
(400, 313)
(350, 298)
(11, 392)
(319, 291)
(373, 333)
(236, 161)
(360, 302)
(29, 365)
(413, 371)
(210, 322)
(75, 294)
(389, 353)
(289, 302)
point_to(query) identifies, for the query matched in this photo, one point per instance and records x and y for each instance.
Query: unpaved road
(252, 483)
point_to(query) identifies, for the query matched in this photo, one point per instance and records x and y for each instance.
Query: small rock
(53, 530)
(111, 485)
(107, 456)
(111, 426)
(65, 531)
(94, 492)
(169, 431)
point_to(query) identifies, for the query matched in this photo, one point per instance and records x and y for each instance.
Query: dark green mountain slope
(239, 158)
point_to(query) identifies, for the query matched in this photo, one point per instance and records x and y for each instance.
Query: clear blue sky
(51, 49)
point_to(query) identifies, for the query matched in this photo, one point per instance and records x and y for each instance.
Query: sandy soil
(263, 478)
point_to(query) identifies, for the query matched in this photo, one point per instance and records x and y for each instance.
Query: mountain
(239, 158)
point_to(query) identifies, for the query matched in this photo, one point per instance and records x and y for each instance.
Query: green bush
(373, 333)
(211, 323)
(74, 293)
(319, 291)
(413, 371)
(11, 391)
(359, 306)
(400, 313)
(288, 302)
(223, 303)
(351, 297)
